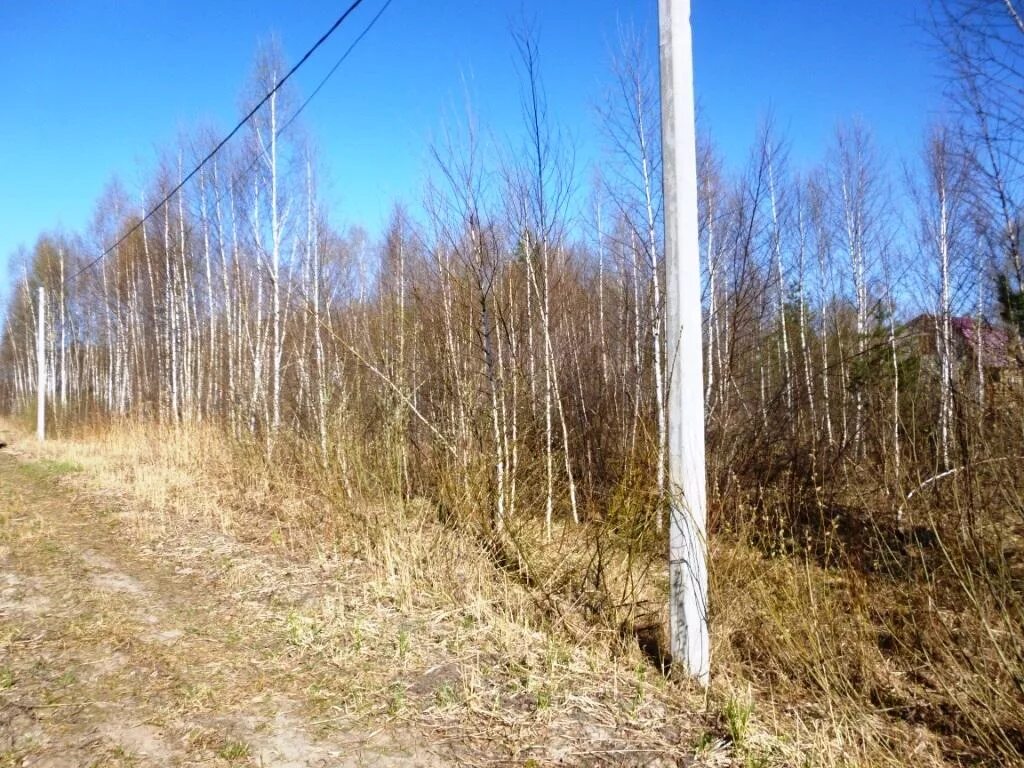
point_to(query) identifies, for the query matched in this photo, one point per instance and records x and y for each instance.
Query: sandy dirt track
(118, 651)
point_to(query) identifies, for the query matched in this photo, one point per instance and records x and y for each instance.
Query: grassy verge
(884, 652)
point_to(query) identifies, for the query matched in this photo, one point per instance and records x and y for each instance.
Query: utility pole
(688, 572)
(41, 371)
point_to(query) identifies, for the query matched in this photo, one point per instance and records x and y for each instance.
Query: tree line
(502, 350)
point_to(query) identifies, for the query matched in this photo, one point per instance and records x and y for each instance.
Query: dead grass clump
(911, 653)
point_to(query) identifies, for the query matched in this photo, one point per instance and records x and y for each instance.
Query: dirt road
(125, 650)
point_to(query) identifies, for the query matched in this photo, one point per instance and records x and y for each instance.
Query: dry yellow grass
(410, 621)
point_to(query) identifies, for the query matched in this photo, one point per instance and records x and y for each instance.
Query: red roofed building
(995, 350)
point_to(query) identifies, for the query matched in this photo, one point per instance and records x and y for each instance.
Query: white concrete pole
(688, 575)
(41, 362)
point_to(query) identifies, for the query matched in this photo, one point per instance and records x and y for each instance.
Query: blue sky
(94, 89)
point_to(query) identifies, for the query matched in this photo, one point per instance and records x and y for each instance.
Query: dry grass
(819, 661)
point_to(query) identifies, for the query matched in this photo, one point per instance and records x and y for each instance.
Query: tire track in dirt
(117, 653)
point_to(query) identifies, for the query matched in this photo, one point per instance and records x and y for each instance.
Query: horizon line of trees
(506, 356)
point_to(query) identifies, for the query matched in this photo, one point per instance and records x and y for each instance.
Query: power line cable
(287, 123)
(323, 38)
(337, 64)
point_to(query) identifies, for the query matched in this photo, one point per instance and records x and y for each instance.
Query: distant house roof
(996, 343)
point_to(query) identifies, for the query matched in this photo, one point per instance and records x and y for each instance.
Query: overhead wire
(241, 123)
(337, 64)
(287, 123)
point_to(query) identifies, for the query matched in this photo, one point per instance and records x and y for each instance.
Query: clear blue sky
(93, 89)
